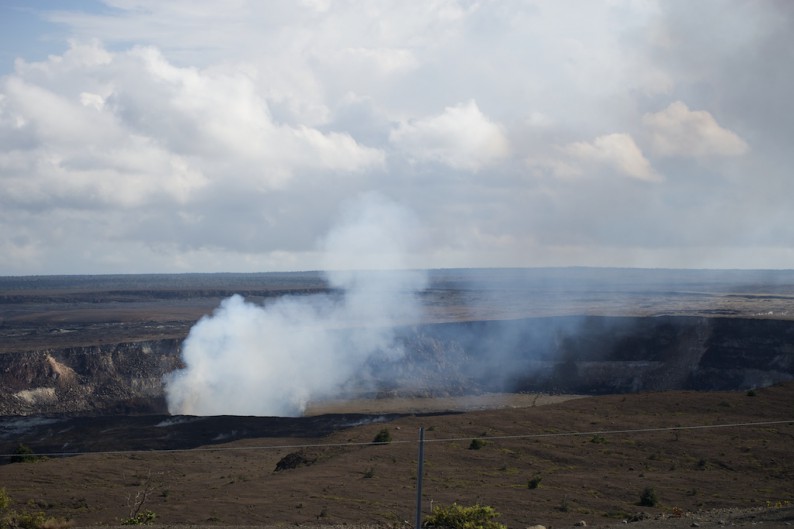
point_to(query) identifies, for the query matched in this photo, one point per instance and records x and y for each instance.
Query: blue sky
(148, 136)
(27, 33)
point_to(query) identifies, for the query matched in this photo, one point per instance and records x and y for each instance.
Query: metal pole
(419, 473)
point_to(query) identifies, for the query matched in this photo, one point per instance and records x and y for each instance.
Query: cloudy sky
(151, 136)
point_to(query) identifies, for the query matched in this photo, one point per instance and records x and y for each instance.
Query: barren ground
(593, 456)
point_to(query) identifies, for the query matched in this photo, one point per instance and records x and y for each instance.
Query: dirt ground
(592, 457)
(487, 401)
(759, 518)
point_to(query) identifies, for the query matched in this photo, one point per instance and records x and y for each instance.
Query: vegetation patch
(463, 517)
(293, 460)
(141, 518)
(382, 437)
(649, 498)
(476, 444)
(24, 454)
(534, 482)
(23, 519)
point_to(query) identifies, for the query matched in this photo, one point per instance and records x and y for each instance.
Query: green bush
(23, 454)
(142, 518)
(648, 498)
(27, 520)
(534, 482)
(12, 519)
(461, 517)
(382, 437)
(476, 444)
(5, 501)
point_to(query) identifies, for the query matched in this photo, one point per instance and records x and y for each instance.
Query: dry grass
(355, 483)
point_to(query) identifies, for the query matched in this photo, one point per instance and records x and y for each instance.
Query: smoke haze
(272, 359)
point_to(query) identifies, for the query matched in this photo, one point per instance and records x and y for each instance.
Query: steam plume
(248, 359)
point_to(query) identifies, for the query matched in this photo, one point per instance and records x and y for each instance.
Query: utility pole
(419, 474)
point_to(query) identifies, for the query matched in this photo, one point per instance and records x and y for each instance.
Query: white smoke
(271, 360)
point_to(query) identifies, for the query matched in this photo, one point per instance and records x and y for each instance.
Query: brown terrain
(616, 382)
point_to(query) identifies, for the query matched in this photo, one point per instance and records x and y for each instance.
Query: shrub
(23, 454)
(476, 444)
(461, 517)
(141, 518)
(534, 482)
(382, 437)
(751, 393)
(648, 498)
(5, 500)
(25, 520)
(293, 460)
(12, 519)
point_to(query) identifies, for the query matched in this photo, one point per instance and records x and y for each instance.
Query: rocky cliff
(556, 354)
(101, 379)
(595, 355)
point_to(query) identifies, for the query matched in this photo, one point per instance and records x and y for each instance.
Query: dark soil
(595, 456)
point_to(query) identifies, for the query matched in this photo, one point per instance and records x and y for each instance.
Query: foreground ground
(592, 458)
(772, 517)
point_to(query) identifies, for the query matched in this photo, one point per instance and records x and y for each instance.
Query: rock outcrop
(101, 379)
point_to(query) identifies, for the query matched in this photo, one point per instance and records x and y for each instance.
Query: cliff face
(681, 353)
(558, 354)
(108, 378)
(746, 353)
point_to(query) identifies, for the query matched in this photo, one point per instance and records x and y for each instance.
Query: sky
(142, 136)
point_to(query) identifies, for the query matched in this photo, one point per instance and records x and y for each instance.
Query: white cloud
(678, 131)
(187, 136)
(383, 60)
(99, 128)
(617, 151)
(462, 137)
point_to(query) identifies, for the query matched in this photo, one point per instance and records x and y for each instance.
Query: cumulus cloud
(123, 128)
(615, 153)
(618, 151)
(180, 136)
(678, 131)
(461, 137)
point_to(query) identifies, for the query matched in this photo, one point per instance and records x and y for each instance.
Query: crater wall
(574, 354)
